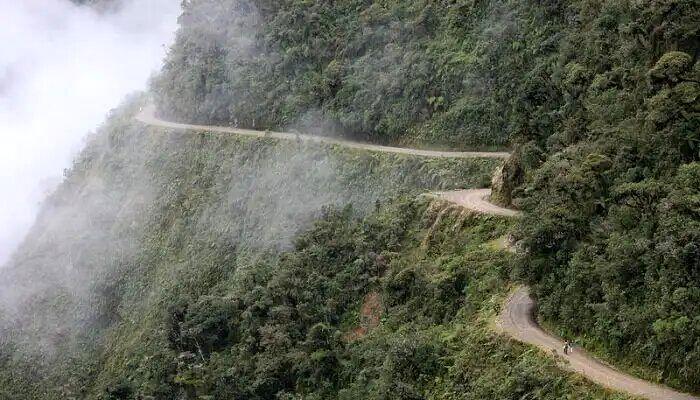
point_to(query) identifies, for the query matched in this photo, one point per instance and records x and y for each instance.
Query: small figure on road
(567, 347)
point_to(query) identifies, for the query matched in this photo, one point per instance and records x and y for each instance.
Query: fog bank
(62, 68)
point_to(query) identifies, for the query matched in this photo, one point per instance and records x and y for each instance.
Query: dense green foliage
(600, 99)
(187, 266)
(435, 72)
(613, 195)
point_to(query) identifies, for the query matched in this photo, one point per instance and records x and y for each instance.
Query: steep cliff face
(133, 181)
(144, 211)
(186, 265)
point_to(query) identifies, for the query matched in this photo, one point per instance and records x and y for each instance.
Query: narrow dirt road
(148, 117)
(517, 317)
(477, 200)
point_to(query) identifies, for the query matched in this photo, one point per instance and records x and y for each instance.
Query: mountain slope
(186, 264)
(189, 265)
(435, 73)
(600, 101)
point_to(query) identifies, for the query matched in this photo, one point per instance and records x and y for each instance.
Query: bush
(671, 66)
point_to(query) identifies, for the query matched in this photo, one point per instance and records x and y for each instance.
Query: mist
(62, 68)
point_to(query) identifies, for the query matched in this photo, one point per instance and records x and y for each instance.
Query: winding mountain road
(517, 318)
(148, 117)
(477, 200)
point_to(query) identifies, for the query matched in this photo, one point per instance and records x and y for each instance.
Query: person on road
(567, 347)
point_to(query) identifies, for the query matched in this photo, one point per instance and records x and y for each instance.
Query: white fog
(62, 68)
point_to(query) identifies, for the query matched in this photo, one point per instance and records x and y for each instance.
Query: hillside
(439, 74)
(176, 264)
(600, 101)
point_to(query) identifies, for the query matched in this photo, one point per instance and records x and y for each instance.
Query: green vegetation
(159, 270)
(193, 318)
(275, 327)
(162, 249)
(600, 100)
(611, 197)
(195, 266)
(434, 73)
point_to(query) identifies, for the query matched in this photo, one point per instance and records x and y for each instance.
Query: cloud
(62, 68)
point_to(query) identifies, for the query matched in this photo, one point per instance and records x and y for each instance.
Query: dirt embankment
(370, 316)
